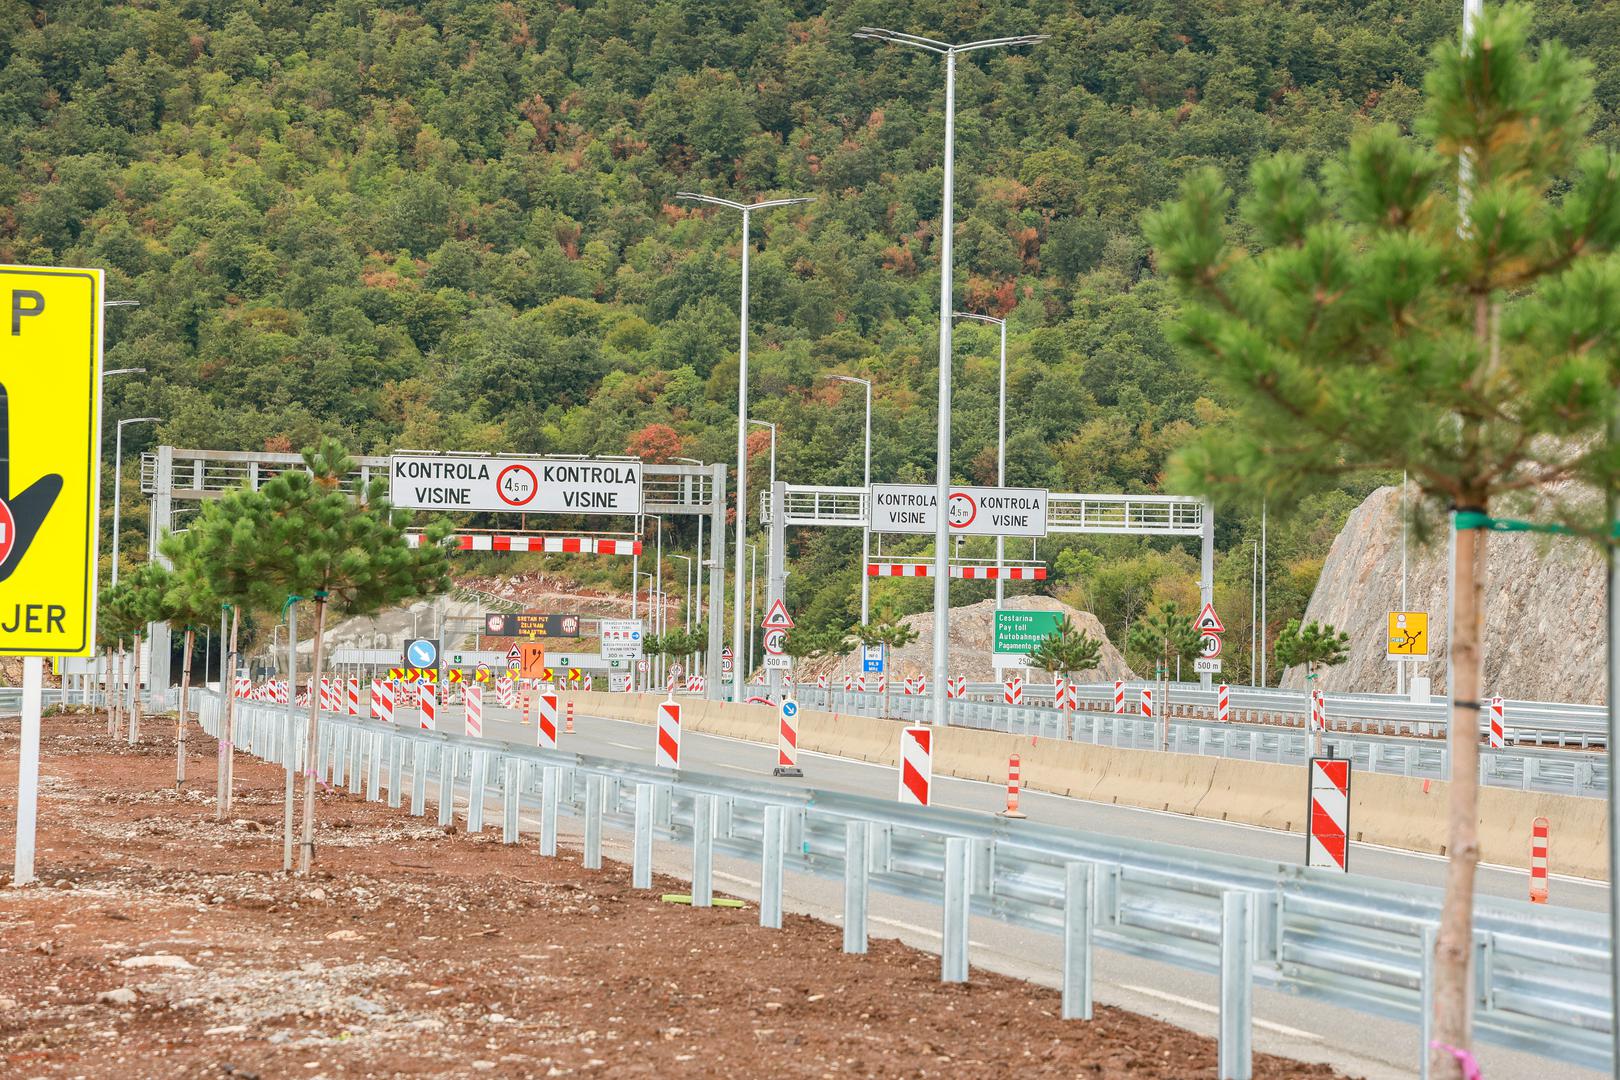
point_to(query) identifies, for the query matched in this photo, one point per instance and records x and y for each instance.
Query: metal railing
(1358, 943)
(1564, 772)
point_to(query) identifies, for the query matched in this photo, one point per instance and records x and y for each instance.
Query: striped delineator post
(922, 684)
(1147, 701)
(385, 701)
(354, 697)
(849, 683)
(916, 765)
(526, 696)
(1119, 697)
(1498, 716)
(1013, 692)
(585, 682)
(1015, 781)
(910, 686)
(883, 681)
(376, 699)
(1329, 840)
(1223, 703)
(667, 751)
(427, 704)
(1318, 712)
(473, 701)
(545, 729)
(821, 681)
(787, 739)
(505, 693)
(569, 729)
(1538, 860)
(951, 691)
(860, 683)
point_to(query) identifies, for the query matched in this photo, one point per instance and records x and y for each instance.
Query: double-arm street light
(866, 482)
(942, 464)
(1001, 433)
(746, 209)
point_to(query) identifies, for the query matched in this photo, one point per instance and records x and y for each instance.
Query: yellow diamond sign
(1408, 635)
(50, 449)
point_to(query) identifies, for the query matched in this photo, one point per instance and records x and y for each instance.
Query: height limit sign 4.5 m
(50, 447)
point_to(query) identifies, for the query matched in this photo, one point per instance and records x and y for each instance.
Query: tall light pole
(942, 464)
(746, 209)
(866, 482)
(1001, 433)
(118, 479)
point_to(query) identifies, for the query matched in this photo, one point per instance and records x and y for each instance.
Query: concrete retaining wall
(1391, 810)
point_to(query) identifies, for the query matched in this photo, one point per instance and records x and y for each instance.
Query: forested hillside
(452, 225)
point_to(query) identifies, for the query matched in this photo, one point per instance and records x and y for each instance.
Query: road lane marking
(1177, 999)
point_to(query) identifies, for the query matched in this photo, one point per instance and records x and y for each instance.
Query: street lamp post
(866, 482)
(118, 480)
(1001, 433)
(942, 463)
(746, 209)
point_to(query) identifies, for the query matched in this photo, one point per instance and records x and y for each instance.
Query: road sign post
(50, 484)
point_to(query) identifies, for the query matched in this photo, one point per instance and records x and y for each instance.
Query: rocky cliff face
(1544, 608)
(971, 637)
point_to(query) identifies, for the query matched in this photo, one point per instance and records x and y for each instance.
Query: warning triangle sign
(1209, 622)
(777, 617)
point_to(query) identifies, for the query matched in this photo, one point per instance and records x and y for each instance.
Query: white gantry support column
(162, 512)
(776, 570)
(1206, 578)
(715, 687)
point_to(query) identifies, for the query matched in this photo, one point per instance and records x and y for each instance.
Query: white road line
(1177, 999)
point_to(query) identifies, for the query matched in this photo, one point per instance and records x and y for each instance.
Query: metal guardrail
(1564, 772)
(1359, 943)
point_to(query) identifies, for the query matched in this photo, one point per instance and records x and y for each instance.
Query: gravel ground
(164, 944)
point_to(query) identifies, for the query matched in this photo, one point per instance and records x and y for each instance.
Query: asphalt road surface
(1360, 1044)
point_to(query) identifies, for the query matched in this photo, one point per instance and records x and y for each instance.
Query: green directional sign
(1021, 631)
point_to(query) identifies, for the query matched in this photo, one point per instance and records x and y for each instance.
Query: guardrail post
(953, 951)
(512, 798)
(594, 787)
(550, 781)
(879, 852)
(770, 875)
(396, 767)
(1235, 1052)
(1425, 1000)
(419, 755)
(449, 763)
(703, 814)
(374, 773)
(1077, 878)
(477, 766)
(357, 759)
(641, 853)
(983, 865)
(856, 834)
(663, 805)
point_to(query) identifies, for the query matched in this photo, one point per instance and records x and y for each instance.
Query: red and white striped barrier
(1538, 860)
(821, 681)
(1223, 703)
(695, 684)
(1498, 716)
(955, 687)
(787, 738)
(910, 686)
(569, 730)
(585, 682)
(849, 683)
(427, 704)
(1119, 696)
(1013, 692)
(916, 765)
(241, 686)
(860, 683)
(667, 750)
(1329, 843)
(966, 573)
(505, 692)
(354, 697)
(545, 728)
(473, 702)
(1147, 702)
(1318, 712)
(383, 700)
(882, 682)
(554, 545)
(1015, 781)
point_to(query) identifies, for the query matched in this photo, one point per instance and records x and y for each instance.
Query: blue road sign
(872, 660)
(422, 653)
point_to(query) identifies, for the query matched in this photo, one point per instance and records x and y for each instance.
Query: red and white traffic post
(916, 765)
(787, 739)
(1223, 703)
(1147, 702)
(667, 751)
(427, 704)
(1538, 860)
(1013, 692)
(473, 700)
(1328, 795)
(569, 730)
(545, 730)
(1498, 728)
(1015, 782)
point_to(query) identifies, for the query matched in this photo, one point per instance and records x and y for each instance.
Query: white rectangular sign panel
(1207, 666)
(526, 485)
(621, 639)
(773, 663)
(971, 511)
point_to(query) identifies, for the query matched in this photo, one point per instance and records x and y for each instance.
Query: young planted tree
(189, 602)
(1313, 644)
(302, 534)
(1165, 636)
(1445, 305)
(1066, 651)
(115, 622)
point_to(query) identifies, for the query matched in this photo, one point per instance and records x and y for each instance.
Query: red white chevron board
(967, 573)
(1328, 844)
(916, 765)
(552, 545)
(667, 749)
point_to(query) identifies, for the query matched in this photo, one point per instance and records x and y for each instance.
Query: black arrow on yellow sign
(27, 509)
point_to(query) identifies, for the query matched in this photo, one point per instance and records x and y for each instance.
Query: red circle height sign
(517, 485)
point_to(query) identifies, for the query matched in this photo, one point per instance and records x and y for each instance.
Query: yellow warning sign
(1408, 635)
(50, 450)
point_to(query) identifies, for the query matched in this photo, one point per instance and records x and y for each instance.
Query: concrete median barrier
(1394, 811)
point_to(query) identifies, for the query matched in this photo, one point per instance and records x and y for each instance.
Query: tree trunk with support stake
(306, 846)
(227, 736)
(135, 692)
(180, 720)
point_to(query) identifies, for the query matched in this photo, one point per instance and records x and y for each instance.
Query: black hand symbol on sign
(27, 508)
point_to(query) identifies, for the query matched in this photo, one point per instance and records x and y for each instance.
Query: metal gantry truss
(180, 480)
